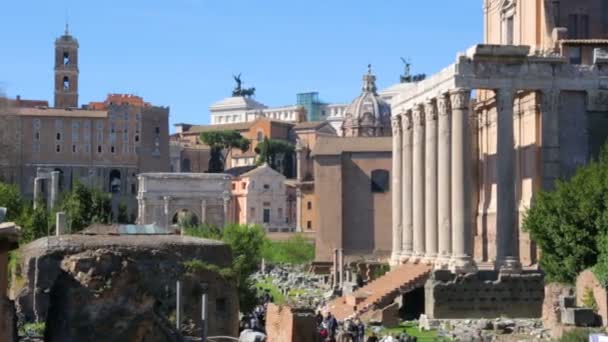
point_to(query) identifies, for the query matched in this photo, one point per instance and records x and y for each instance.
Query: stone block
(566, 301)
(580, 317)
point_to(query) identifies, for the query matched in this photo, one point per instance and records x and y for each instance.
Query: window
(509, 31)
(556, 12)
(575, 55)
(73, 148)
(66, 58)
(380, 180)
(112, 149)
(280, 212)
(133, 189)
(233, 186)
(157, 130)
(260, 136)
(98, 148)
(58, 148)
(573, 26)
(252, 212)
(308, 224)
(266, 186)
(37, 136)
(136, 138)
(66, 83)
(584, 28)
(309, 205)
(244, 185)
(58, 136)
(266, 215)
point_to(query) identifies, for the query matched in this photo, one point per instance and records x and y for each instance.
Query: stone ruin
(123, 288)
(9, 234)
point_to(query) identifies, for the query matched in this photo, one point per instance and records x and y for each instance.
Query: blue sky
(182, 53)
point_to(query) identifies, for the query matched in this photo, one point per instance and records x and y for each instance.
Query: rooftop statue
(407, 77)
(238, 90)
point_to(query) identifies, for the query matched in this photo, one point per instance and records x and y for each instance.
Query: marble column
(430, 181)
(505, 194)
(167, 206)
(341, 267)
(461, 261)
(406, 183)
(444, 153)
(299, 164)
(37, 191)
(549, 111)
(396, 193)
(418, 182)
(299, 210)
(61, 226)
(226, 198)
(335, 264)
(54, 189)
(204, 211)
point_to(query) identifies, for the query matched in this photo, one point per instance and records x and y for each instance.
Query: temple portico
(452, 175)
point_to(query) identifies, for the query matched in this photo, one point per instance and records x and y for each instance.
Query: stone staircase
(381, 292)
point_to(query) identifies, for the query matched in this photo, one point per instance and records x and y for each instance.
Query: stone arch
(185, 216)
(114, 184)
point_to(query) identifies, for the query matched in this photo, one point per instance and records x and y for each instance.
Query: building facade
(102, 144)
(352, 194)
(261, 197)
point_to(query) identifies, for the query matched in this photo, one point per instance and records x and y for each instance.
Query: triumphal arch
(164, 198)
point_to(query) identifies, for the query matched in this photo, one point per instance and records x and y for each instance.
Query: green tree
(221, 144)
(246, 243)
(123, 214)
(569, 223)
(84, 206)
(272, 150)
(11, 200)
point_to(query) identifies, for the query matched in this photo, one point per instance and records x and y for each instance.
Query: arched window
(260, 136)
(66, 58)
(114, 181)
(380, 181)
(66, 83)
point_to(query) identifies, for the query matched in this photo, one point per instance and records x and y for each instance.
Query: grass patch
(195, 265)
(412, 330)
(266, 285)
(578, 335)
(296, 250)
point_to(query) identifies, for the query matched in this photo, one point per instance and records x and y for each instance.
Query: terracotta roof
(336, 145)
(239, 170)
(240, 126)
(310, 125)
(62, 112)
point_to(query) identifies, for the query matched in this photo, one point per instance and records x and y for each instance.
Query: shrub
(566, 223)
(588, 299)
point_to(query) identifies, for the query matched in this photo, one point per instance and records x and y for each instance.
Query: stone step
(381, 292)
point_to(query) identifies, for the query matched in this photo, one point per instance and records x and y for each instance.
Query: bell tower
(66, 71)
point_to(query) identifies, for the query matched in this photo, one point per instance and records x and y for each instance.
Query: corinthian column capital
(406, 121)
(443, 105)
(460, 98)
(430, 111)
(396, 125)
(418, 115)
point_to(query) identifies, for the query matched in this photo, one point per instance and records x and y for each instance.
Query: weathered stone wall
(485, 294)
(285, 324)
(587, 281)
(123, 287)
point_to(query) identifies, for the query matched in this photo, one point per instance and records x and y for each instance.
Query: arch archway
(185, 218)
(114, 184)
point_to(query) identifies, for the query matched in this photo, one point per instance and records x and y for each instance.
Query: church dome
(368, 114)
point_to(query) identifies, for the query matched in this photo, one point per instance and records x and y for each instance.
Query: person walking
(359, 331)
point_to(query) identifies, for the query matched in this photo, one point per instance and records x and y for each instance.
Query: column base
(462, 264)
(442, 262)
(509, 265)
(429, 259)
(405, 257)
